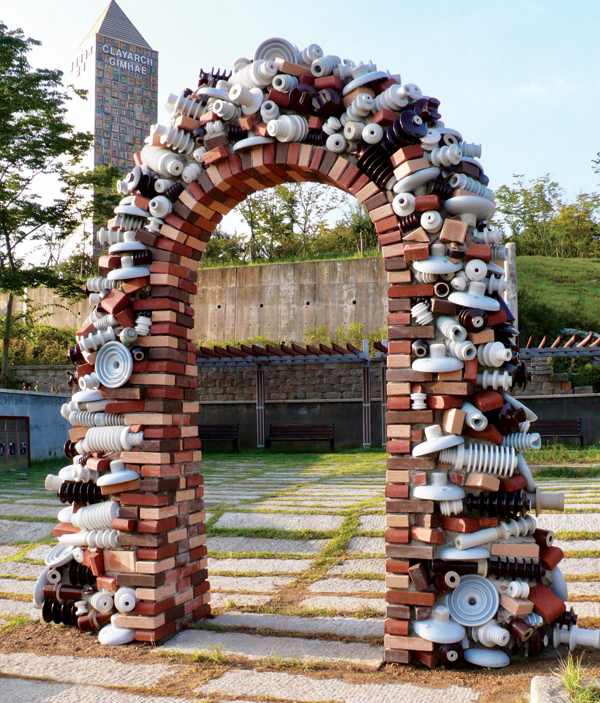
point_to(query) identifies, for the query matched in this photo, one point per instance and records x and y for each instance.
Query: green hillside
(557, 293)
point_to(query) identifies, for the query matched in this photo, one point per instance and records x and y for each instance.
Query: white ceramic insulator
(393, 99)
(451, 329)
(102, 602)
(344, 69)
(460, 180)
(489, 235)
(284, 83)
(518, 589)
(421, 314)
(161, 185)
(214, 128)
(128, 336)
(105, 322)
(176, 139)
(97, 516)
(143, 323)
(423, 277)
(227, 111)
(53, 483)
(95, 340)
(476, 270)
(288, 128)
(332, 126)
(191, 172)
(312, 53)
(82, 418)
(258, 74)
(474, 418)
(361, 107)
(471, 151)
(372, 133)
(125, 599)
(523, 442)
(324, 65)
(519, 527)
(491, 634)
(336, 143)
(100, 283)
(465, 351)
(459, 281)
(403, 204)
(160, 206)
(82, 473)
(54, 576)
(353, 130)
(89, 382)
(534, 619)
(269, 111)
(493, 354)
(498, 252)
(240, 63)
(451, 507)
(495, 284)
(481, 458)
(445, 156)
(411, 91)
(575, 637)
(180, 105)
(431, 221)
(162, 160)
(109, 439)
(418, 401)
(129, 222)
(495, 379)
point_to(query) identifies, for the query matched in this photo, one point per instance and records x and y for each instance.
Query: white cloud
(543, 89)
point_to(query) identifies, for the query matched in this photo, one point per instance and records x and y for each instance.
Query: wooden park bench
(300, 433)
(558, 428)
(220, 433)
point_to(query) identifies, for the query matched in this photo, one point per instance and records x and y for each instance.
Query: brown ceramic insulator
(69, 450)
(62, 592)
(146, 184)
(327, 103)
(451, 655)
(530, 569)
(92, 620)
(441, 289)
(420, 348)
(198, 135)
(73, 379)
(54, 611)
(75, 356)
(315, 137)
(85, 493)
(142, 257)
(174, 191)
(235, 133)
(375, 163)
(138, 353)
(440, 566)
(409, 222)
(301, 99)
(507, 419)
(445, 583)
(473, 319)
(544, 538)
(498, 503)
(440, 188)
(407, 129)
(80, 575)
(567, 619)
(427, 109)
(519, 629)
(538, 642)
(455, 252)
(206, 79)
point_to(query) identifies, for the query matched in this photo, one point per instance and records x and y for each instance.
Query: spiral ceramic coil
(111, 440)
(85, 419)
(523, 442)
(421, 314)
(451, 329)
(490, 459)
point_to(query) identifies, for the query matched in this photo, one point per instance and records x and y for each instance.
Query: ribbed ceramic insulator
(451, 329)
(459, 180)
(324, 65)
(125, 599)
(191, 172)
(105, 322)
(97, 516)
(102, 602)
(391, 99)
(495, 379)
(493, 354)
(312, 53)
(484, 458)
(491, 634)
(465, 351)
(257, 74)
(440, 188)
(215, 128)
(498, 252)
(534, 619)
(423, 277)
(227, 111)
(269, 110)
(471, 151)
(474, 418)
(495, 284)
(143, 323)
(418, 401)
(451, 507)
(180, 105)
(108, 237)
(100, 283)
(162, 160)
(176, 139)
(421, 314)
(518, 589)
(336, 143)
(129, 222)
(95, 340)
(360, 107)
(489, 235)
(85, 419)
(284, 83)
(332, 126)
(288, 128)
(109, 439)
(523, 442)
(94, 316)
(445, 156)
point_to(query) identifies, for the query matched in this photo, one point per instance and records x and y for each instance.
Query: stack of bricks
(452, 358)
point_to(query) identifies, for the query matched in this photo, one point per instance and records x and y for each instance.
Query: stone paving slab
(16, 531)
(367, 545)
(263, 544)
(29, 510)
(17, 607)
(16, 586)
(258, 647)
(587, 522)
(100, 672)
(581, 565)
(19, 568)
(340, 626)
(280, 521)
(347, 586)
(548, 689)
(270, 684)
(241, 600)
(37, 553)
(371, 523)
(260, 584)
(265, 566)
(347, 604)
(577, 544)
(8, 551)
(359, 566)
(583, 588)
(585, 609)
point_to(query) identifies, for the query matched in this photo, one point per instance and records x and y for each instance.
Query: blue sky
(520, 77)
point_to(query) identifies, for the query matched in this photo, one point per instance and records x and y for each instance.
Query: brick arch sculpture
(469, 574)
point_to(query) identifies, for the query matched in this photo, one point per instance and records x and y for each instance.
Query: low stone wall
(545, 382)
(47, 379)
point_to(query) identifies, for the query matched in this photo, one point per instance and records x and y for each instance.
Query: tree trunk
(6, 341)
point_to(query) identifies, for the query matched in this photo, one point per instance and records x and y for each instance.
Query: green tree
(38, 148)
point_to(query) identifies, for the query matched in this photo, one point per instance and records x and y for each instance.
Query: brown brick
(419, 576)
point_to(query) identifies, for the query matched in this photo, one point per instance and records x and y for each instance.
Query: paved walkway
(296, 557)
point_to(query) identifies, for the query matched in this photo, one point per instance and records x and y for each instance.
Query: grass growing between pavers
(563, 454)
